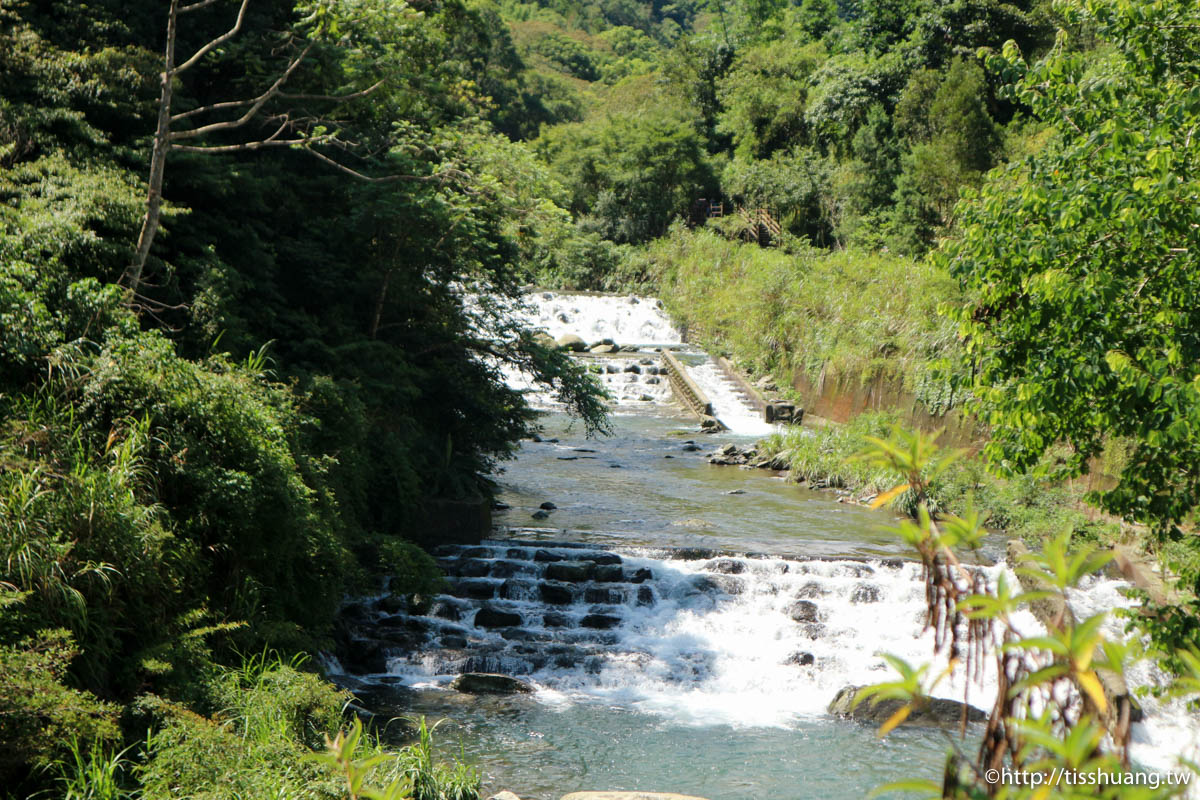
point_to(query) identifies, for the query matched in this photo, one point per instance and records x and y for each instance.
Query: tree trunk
(158, 159)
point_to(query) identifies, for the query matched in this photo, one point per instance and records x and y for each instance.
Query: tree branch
(215, 43)
(256, 104)
(194, 6)
(333, 98)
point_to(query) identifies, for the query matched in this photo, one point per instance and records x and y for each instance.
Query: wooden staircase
(759, 225)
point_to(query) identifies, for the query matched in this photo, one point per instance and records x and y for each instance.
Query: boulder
(605, 558)
(473, 568)
(392, 604)
(604, 349)
(443, 609)
(474, 589)
(540, 514)
(726, 566)
(505, 795)
(730, 584)
(545, 340)
(936, 711)
(569, 341)
(600, 595)
(633, 369)
(506, 569)
(811, 590)
(553, 619)
(645, 596)
(609, 573)
(600, 622)
(865, 593)
(548, 506)
(545, 556)
(557, 594)
(801, 659)
(641, 575)
(488, 617)
(694, 586)
(803, 611)
(488, 683)
(570, 571)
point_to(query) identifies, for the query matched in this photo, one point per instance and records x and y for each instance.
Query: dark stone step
(474, 588)
(491, 617)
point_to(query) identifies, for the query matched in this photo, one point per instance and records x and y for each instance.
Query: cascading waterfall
(681, 669)
(639, 324)
(696, 637)
(626, 319)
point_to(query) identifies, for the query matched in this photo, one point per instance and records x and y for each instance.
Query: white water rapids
(688, 669)
(710, 641)
(640, 322)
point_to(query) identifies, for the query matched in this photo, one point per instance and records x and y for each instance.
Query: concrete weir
(689, 393)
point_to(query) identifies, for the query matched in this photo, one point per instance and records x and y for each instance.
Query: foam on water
(708, 642)
(728, 405)
(626, 319)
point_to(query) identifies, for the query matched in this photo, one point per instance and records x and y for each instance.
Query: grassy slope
(811, 311)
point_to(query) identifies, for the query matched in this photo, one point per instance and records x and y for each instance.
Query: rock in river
(488, 683)
(803, 611)
(936, 711)
(488, 617)
(572, 571)
(569, 341)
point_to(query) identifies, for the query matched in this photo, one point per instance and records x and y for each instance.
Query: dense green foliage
(1055, 717)
(300, 377)
(1022, 506)
(853, 124)
(1081, 272)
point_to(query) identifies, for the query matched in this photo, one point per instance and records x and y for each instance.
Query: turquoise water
(712, 734)
(541, 751)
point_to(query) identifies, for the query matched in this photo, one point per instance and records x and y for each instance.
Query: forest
(255, 257)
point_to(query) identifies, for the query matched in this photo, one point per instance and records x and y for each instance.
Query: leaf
(1091, 684)
(894, 720)
(889, 495)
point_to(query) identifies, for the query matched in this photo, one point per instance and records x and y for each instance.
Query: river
(653, 610)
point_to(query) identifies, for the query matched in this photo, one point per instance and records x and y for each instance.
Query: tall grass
(92, 773)
(816, 312)
(1021, 505)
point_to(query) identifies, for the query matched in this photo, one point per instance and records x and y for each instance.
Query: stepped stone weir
(579, 618)
(627, 343)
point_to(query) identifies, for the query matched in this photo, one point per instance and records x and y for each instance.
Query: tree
(630, 176)
(1083, 269)
(292, 128)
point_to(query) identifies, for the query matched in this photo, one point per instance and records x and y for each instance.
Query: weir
(680, 626)
(640, 328)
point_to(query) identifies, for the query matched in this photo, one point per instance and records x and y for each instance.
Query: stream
(683, 625)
